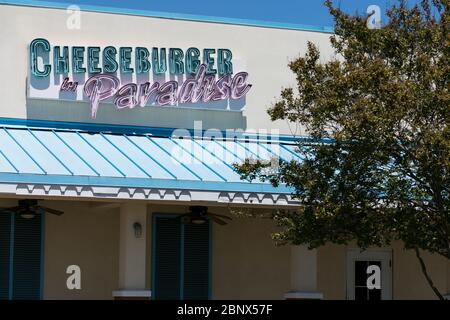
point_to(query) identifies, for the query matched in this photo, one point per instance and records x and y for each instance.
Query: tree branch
(427, 276)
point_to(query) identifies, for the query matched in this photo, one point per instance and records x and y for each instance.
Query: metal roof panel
(88, 157)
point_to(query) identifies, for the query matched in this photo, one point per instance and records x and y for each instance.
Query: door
(181, 256)
(364, 269)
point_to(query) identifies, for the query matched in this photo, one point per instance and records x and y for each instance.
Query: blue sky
(308, 12)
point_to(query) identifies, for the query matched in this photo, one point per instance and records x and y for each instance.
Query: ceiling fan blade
(220, 215)
(49, 210)
(13, 209)
(217, 220)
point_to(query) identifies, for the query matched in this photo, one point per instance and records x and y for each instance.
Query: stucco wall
(408, 280)
(266, 52)
(83, 236)
(87, 237)
(245, 264)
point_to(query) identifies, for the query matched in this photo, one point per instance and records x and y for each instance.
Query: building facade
(119, 131)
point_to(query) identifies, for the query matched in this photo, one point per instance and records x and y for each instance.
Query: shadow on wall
(45, 101)
(167, 116)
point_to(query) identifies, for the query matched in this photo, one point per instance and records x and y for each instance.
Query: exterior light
(198, 220)
(137, 229)
(27, 215)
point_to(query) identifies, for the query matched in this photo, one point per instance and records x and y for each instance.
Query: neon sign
(98, 74)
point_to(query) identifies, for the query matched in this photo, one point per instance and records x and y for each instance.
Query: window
(20, 256)
(361, 290)
(181, 259)
(357, 274)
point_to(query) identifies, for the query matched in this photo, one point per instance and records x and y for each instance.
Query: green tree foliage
(377, 163)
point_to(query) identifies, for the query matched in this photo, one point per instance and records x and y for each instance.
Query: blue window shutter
(5, 234)
(196, 261)
(27, 258)
(167, 258)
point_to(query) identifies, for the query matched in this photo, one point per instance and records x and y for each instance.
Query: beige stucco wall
(408, 280)
(245, 264)
(87, 237)
(266, 52)
(83, 236)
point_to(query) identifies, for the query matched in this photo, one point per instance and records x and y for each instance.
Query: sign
(130, 77)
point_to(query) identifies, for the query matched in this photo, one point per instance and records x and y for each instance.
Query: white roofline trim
(149, 194)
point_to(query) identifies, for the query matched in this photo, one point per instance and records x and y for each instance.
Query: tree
(376, 163)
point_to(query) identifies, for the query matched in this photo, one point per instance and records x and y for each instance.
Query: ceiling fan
(200, 215)
(29, 208)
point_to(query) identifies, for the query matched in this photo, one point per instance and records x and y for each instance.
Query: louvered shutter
(5, 234)
(167, 258)
(27, 258)
(196, 261)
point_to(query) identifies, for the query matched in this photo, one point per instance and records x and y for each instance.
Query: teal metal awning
(88, 155)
